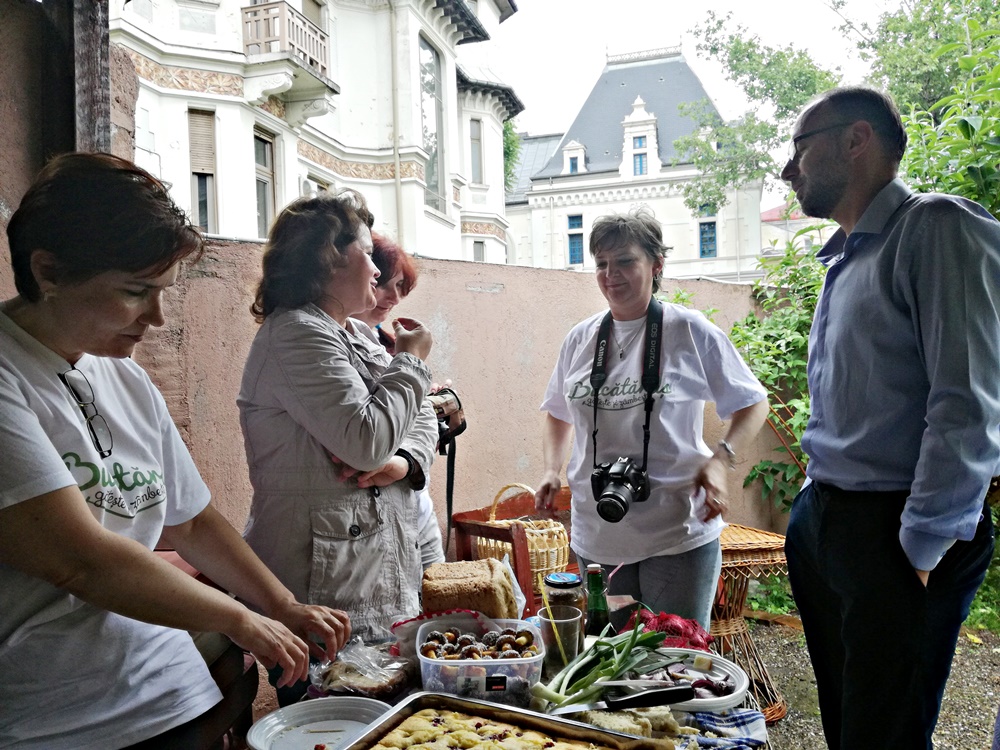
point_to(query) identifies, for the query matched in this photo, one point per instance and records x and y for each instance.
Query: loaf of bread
(480, 585)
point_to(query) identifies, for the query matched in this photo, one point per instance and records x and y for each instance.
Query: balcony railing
(278, 27)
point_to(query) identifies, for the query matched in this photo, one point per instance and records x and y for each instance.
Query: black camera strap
(650, 367)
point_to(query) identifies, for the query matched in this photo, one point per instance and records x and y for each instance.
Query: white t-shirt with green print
(697, 364)
(74, 675)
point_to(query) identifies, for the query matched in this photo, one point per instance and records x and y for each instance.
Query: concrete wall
(497, 330)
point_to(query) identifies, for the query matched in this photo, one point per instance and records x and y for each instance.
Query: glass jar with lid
(566, 589)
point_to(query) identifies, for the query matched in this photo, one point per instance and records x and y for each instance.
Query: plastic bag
(361, 669)
(519, 598)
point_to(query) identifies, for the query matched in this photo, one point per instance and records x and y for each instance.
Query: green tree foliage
(955, 148)
(904, 46)
(775, 346)
(778, 81)
(511, 150)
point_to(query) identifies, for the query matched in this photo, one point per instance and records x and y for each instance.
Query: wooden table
(747, 553)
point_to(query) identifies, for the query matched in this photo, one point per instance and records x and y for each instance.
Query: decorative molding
(453, 19)
(651, 54)
(484, 227)
(185, 79)
(503, 94)
(297, 112)
(356, 169)
(258, 88)
(616, 194)
(273, 105)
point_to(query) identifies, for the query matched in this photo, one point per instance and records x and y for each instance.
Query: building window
(706, 239)
(476, 144)
(201, 136)
(638, 164)
(576, 249)
(479, 251)
(639, 141)
(432, 117)
(263, 153)
(574, 221)
(574, 164)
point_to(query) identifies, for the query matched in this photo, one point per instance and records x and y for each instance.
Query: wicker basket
(548, 543)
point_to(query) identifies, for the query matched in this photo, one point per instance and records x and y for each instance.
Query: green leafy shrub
(775, 345)
(985, 611)
(773, 595)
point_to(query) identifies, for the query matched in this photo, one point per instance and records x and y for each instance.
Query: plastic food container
(505, 681)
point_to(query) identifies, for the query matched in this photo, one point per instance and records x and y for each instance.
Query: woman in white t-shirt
(94, 651)
(397, 277)
(667, 545)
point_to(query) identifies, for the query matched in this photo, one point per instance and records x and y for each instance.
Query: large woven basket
(548, 543)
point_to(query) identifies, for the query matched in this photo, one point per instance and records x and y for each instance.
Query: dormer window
(638, 142)
(574, 158)
(639, 163)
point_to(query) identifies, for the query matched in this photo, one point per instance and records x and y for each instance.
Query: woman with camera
(648, 493)
(338, 434)
(397, 277)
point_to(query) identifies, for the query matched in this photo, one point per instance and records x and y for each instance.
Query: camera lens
(612, 505)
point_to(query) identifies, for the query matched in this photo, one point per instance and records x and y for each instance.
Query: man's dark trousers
(881, 643)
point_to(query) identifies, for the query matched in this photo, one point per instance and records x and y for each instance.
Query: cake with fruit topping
(433, 729)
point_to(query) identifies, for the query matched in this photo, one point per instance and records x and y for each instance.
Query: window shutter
(201, 127)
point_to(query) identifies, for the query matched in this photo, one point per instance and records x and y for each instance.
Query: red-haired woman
(398, 277)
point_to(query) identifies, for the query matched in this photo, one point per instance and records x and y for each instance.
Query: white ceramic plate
(335, 721)
(720, 668)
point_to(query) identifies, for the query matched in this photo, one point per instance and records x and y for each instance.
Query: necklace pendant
(621, 354)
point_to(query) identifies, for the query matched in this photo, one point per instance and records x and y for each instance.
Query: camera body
(616, 486)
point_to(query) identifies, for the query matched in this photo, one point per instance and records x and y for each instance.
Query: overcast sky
(552, 51)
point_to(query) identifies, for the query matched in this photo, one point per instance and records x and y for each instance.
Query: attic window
(574, 164)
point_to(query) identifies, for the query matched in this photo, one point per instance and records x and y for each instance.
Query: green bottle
(598, 615)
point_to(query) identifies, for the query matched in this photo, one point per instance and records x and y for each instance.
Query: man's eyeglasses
(82, 392)
(793, 147)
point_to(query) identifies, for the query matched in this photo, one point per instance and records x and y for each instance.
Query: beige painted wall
(497, 331)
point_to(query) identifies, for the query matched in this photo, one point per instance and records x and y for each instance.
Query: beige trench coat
(310, 388)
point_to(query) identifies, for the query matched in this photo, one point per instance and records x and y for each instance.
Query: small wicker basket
(548, 543)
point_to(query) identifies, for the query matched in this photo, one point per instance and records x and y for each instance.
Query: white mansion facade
(617, 155)
(244, 106)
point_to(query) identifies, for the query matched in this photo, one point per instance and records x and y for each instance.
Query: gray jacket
(309, 388)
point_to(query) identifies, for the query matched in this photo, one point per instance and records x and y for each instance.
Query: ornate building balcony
(288, 57)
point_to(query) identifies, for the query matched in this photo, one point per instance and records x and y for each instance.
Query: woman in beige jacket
(338, 434)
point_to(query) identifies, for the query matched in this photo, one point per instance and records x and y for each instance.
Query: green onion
(606, 659)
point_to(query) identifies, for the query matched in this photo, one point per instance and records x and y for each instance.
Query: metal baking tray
(555, 727)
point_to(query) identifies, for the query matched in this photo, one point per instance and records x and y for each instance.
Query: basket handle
(513, 485)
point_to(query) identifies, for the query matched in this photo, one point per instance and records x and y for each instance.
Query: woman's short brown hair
(306, 243)
(639, 227)
(391, 259)
(96, 213)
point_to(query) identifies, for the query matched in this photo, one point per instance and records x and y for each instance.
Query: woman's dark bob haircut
(306, 243)
(389, 258)
(638, 227)
(97, 213)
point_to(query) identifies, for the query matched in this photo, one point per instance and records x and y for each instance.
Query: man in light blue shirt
(889, 539)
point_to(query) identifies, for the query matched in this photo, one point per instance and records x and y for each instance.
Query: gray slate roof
(663, 82)
(535, 152)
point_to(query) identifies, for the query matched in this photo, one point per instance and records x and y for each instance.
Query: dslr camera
(616, 486)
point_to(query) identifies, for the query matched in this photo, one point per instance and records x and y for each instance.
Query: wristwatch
(724, 444)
